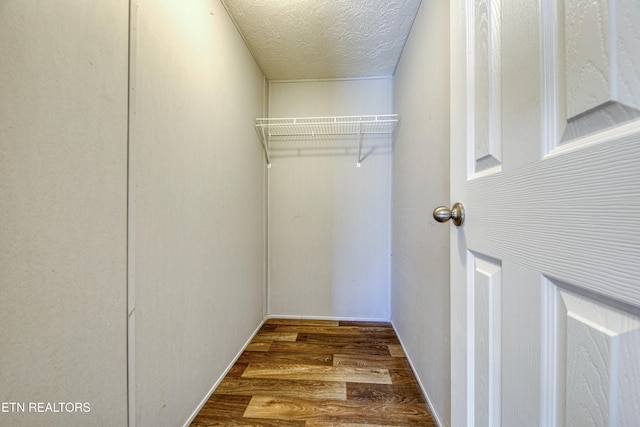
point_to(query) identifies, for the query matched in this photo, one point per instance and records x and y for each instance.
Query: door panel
(602, 74)
(487, 141)
(546, 159)
(488, 343)
(594, 347)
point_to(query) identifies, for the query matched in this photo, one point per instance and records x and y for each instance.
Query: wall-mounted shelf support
(265, 146)
(272, 129)
(359, 146)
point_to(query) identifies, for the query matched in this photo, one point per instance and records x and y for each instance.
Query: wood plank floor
(311, 373)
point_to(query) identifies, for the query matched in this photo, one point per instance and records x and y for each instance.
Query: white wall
(329, 221)
(63, 209)
(199, 233)
(420, 262)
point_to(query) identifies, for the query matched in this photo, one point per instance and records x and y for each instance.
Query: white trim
(548, 354)
(614, 133)
(462, 166)
(423, 390)
(338, 79)
(330, 318)
(549, 102)
(470, 90)
(223, 375)
(470, 330)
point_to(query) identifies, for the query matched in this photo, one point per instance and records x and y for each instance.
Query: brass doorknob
(444, 214)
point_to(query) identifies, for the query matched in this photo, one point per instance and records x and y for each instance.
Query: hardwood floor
(310, 373)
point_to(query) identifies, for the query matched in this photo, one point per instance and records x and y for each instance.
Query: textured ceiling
(313, 39)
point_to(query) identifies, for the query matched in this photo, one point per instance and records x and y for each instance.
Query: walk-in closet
(166, 196)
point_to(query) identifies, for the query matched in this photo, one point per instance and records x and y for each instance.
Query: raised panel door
(546, 159)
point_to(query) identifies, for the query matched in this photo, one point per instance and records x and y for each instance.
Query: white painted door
(546, 159)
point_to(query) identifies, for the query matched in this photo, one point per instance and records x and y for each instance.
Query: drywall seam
(131, 220)
(390, 229)
(265, 207)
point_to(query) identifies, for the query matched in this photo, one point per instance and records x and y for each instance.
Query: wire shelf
(324, 126)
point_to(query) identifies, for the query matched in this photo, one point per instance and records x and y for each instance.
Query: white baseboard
(332, 318)
(226, 371)
(436, 418)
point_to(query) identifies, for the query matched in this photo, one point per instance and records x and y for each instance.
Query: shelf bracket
(265, 145)
(359, 145)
